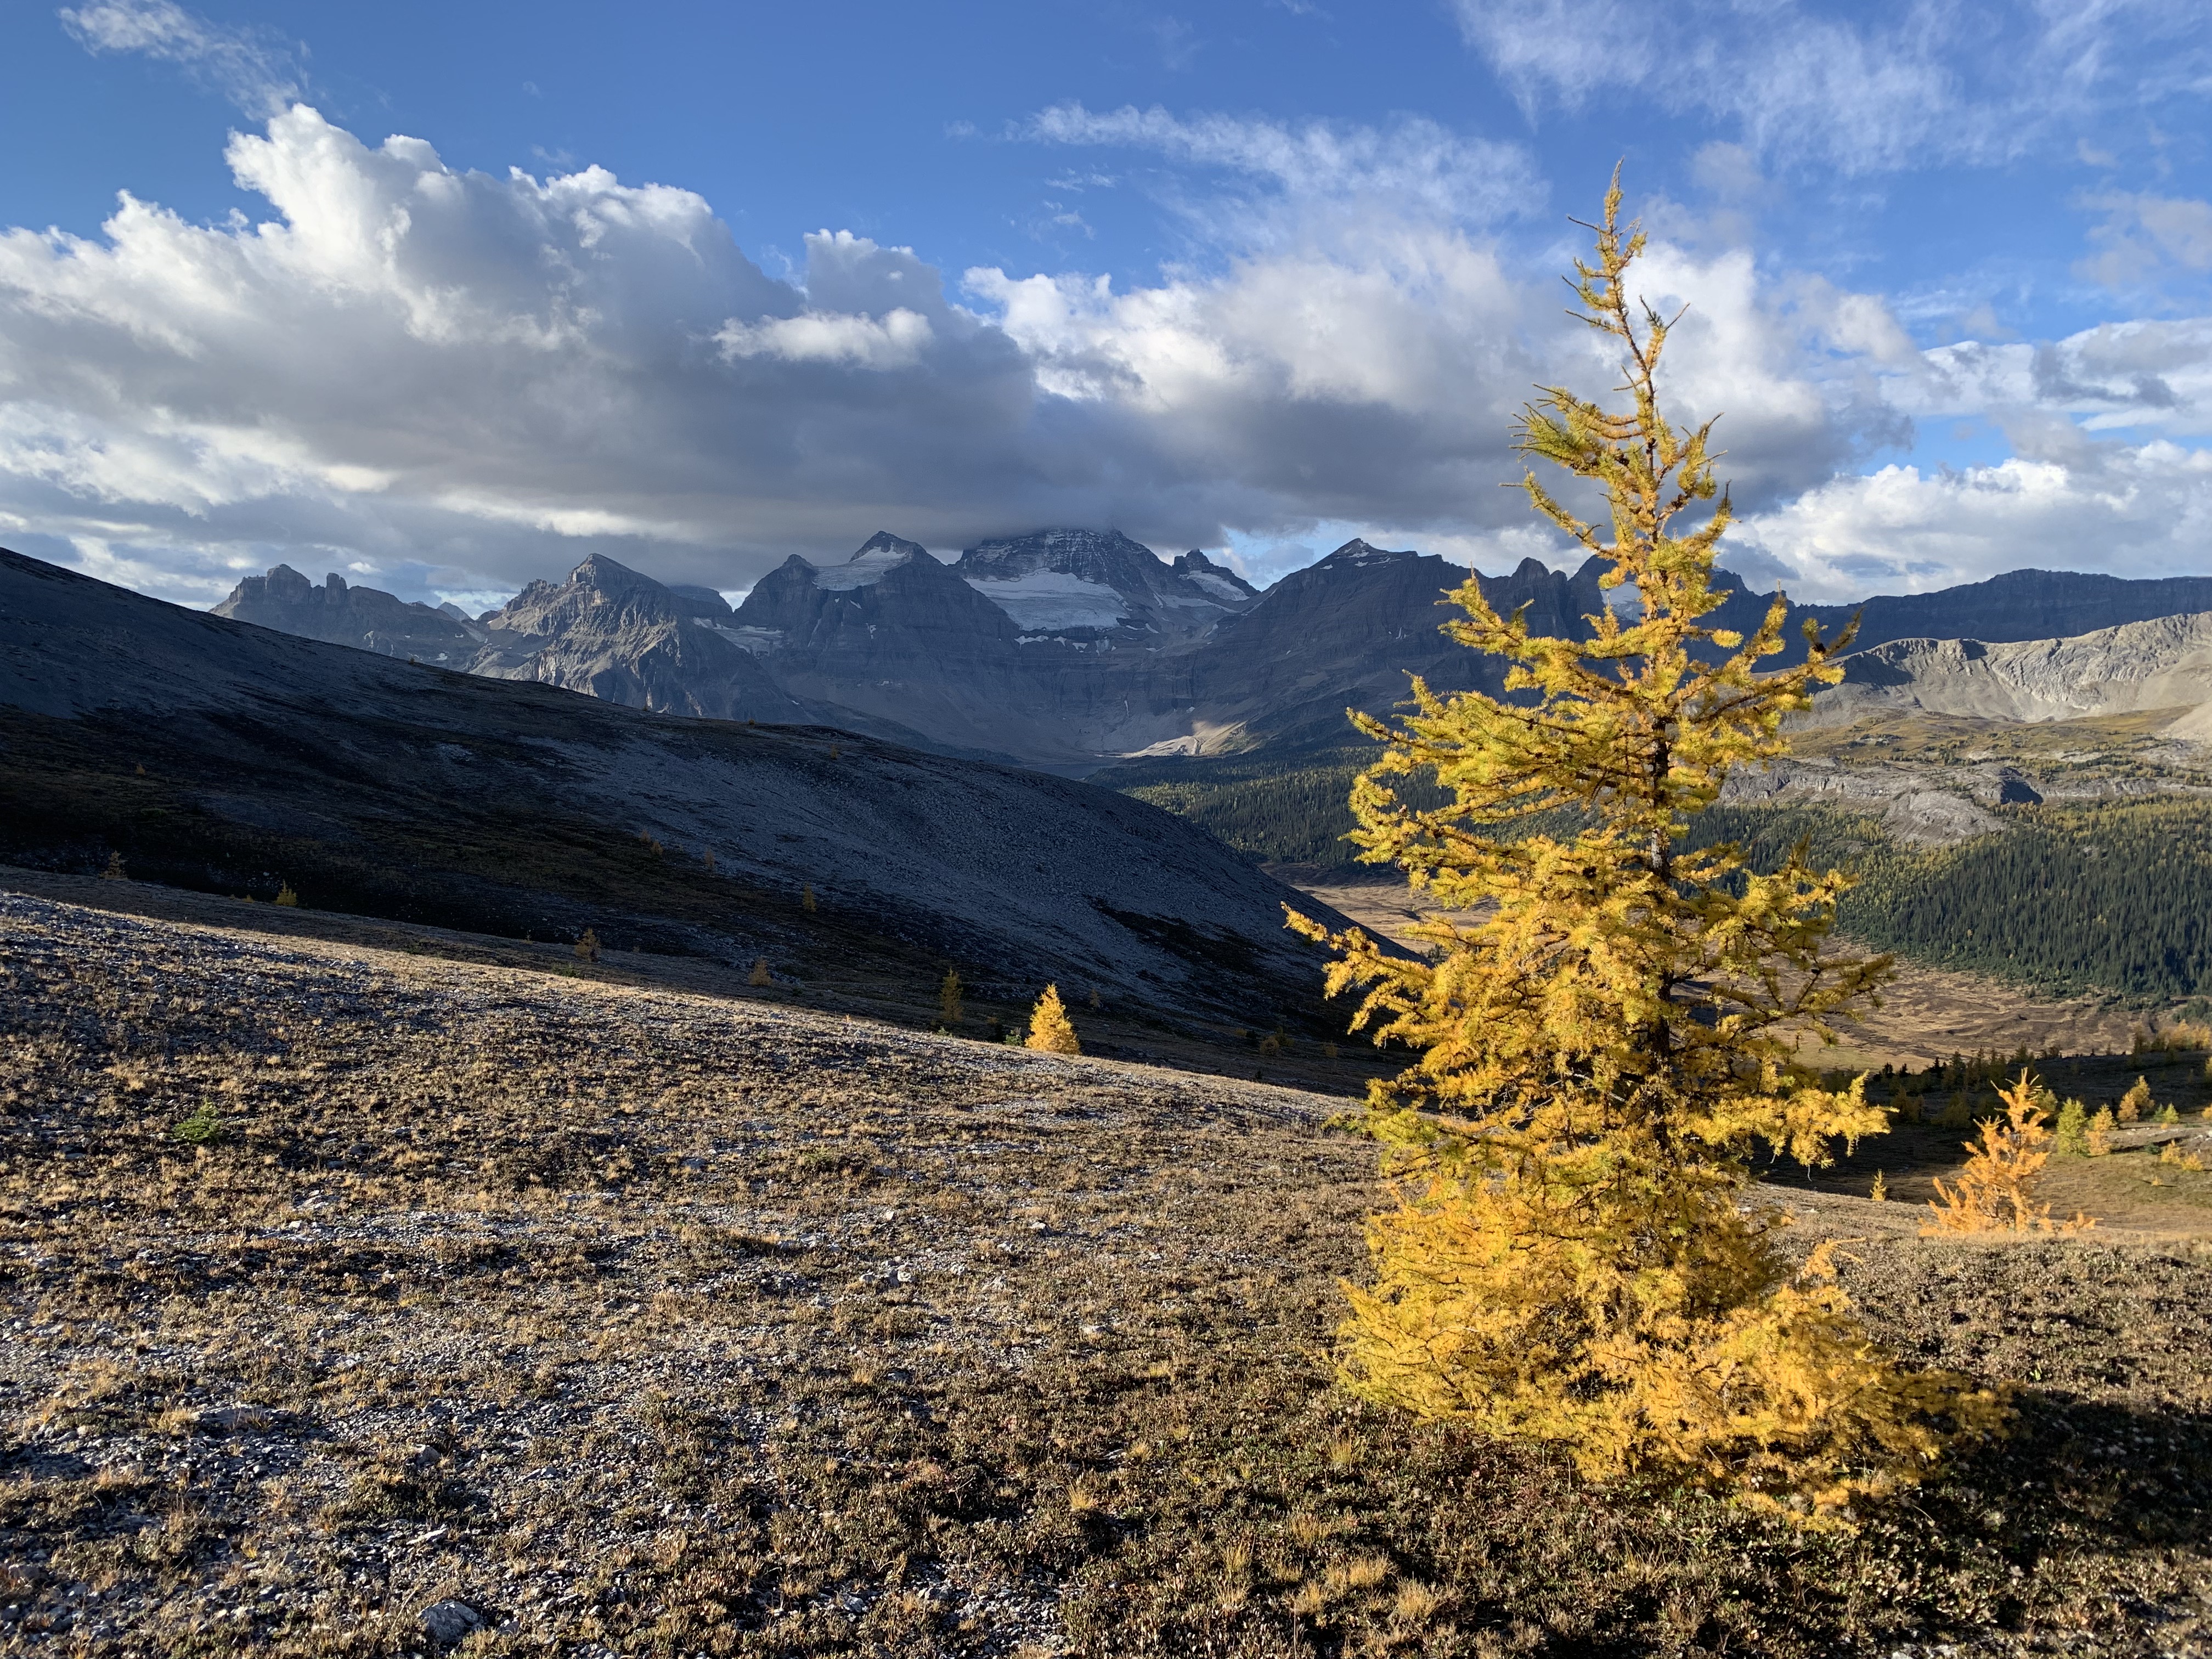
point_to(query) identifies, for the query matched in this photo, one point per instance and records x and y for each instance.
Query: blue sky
(700, 287)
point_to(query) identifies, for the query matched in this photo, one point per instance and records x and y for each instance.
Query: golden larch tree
(1606, 1020)
(1992, 1191)
(1050, 1030)
(949, 1010)
(2136, 1101)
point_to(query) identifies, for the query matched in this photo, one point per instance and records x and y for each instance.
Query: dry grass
(646, 1321)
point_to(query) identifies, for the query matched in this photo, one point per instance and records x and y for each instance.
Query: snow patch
(863, 569)
(1367, 556)
(1044, 601)
(1228, 592)
(758, 640)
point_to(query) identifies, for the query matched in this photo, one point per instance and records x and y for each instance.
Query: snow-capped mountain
(1099, 586)
(210, 754)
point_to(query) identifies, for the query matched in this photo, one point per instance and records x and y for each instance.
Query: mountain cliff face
(624, 638)
(2165, 663)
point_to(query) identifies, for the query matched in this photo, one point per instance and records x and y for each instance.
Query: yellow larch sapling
(2136, 1101)
(1990, 1194)
(1050, 1029)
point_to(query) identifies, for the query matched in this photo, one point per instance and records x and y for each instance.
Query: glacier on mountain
(1047, 601)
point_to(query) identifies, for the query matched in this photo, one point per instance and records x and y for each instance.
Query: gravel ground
(473, 1242)
(515, 1313)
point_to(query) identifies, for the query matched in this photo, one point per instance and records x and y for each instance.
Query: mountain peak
(366, 618)
(883, 542)
(1218, 581)
(1106, 557)
(598, 587)
(1356, 552)
(609, 575)
(879, 555)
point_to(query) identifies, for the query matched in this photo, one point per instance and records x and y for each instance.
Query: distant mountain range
(1068, 649)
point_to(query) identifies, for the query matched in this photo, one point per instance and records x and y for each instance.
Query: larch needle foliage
(1050, 1029)
(1575, 1256)
(1992, 1193)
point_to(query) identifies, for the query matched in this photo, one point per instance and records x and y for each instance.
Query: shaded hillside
(211, 754)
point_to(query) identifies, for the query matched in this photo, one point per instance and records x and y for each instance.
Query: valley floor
(631, 1319)
(1928, 1014)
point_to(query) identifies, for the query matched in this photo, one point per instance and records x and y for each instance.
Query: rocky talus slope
(2163, 663)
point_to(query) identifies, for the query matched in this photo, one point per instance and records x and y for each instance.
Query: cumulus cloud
(1860, 88)
(2107, 470)
(259, 73)
(461, 381)
(895, 341)
(2132, 510)
(445, 369)
(2143, 374)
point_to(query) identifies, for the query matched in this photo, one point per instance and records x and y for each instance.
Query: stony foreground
(506, 1312)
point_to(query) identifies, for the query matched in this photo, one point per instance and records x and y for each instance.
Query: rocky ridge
(1063, 650)
(2163, 663)
(365, 618)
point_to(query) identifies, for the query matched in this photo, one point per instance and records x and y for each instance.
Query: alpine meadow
(870, 832)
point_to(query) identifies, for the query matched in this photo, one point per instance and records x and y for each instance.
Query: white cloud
(446, 367)
(2143, 510)
(894, 341)
(464, 381)
(470, 380)
(1860, 88)
(2144, 238)
(2143, 374)
(261, 75)
(1414, 163)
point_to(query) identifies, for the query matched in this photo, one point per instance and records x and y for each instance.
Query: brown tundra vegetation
(496, 1311)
